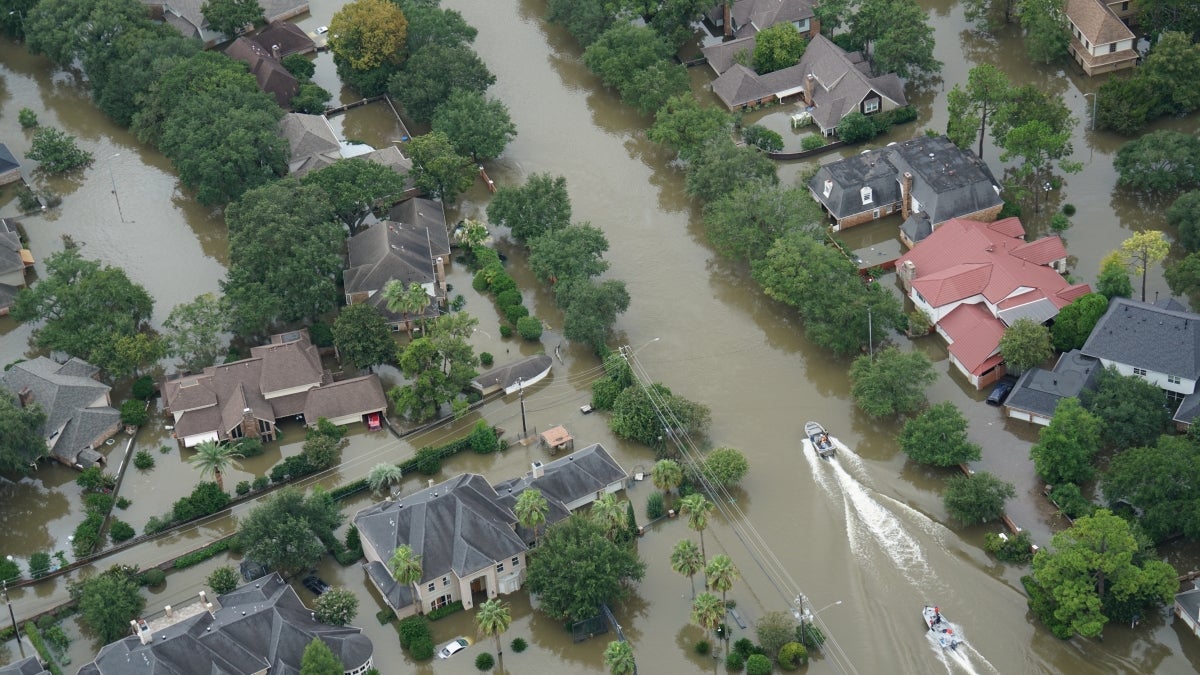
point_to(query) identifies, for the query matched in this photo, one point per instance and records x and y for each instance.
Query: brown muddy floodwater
(868, 530)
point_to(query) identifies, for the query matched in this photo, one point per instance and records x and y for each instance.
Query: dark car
(1000, 392)
(315, 584)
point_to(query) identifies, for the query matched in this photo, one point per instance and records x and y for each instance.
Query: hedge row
(197, 557)
(35, 636)
(445, 610)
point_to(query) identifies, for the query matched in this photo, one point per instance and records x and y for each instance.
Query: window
(516, 560)
(499, 567)
(432, 587)
(828, 187)
(1174, 379)
(438, 603)
(865, 193)
(803, 25)
(445, 581)
(1139, 371)
(875, 213)
(871, 105)
(1112, 48)
(1125, 6)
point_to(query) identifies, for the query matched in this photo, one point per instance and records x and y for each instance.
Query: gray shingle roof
(1190, 602)
(7, 161)
(389, 250)
(10, 244)
(1038, 391)
(847, 178)
(311, 143)
(359, 395)
(29, 666)
(429, 215)
(565, 480)
(1140, 335)
(841, 81)
(396, 594)
(76, 406)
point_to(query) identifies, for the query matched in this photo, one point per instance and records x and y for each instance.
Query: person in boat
(937, 616)
(824, 439)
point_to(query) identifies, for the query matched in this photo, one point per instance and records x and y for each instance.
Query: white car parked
(453, 647)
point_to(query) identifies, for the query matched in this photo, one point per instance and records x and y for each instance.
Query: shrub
(1059, 222)
(143, 388)
(445, 610)
(156, 524)
(243, 487)
(133, 413)
(762, 138)
(98, 502)
(810, 142)
(321, 334)
(486, 359)
(518, 645)
(856, 127)
(529, 328)
(792, 656)
(1069, 500)
(458, 303)
(9, 570)
(514, 313)
(411, 629)
(223, 579)
(483, 439)
(505, 330)
(27, 200)
(509, 298)
(1009, 548)
(143, 460)
(421, 649)
(27, 118)
(757, 664)
(703, 647)
(502, 282)
(250, 447)
(1010, 210)
(480, 281)
(197, 557)
(485, 661)
(152, 577)
(734, 662)
(428, 461)
(39, 564)
(655, 505)
(206, 498)
(166, 449)
(1068, 209)
(260, 482)
(121, 531)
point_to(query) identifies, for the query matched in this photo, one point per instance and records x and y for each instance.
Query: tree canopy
(987, 89)
(433, 73)
(778, 47)
(720, 167)
(530, 210)
(1075, 322)
(576, 568)
(977, 498)
(21, 440)
(1113, 281)
(938, 436)
(724, 466)
(890, 383)
(319, 659)
(231, 16)
(590, 309)
(685, 126)
(67, 30)
(574, 251)
(355, 187)
(1161, 481)
(746, 222)
(362, 336)
(1132, 411)
(1160, 161)
(193, 331)
(283, 531)
(109, 601)
(477, 126)
(1142, 250)
(56, 152)
(1065, 447)
(635, 415)
(585, 20)
(438, 169)
(1025, 344)
(367, 34)
(1046, 31)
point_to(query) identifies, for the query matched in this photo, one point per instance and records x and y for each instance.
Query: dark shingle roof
(29, 666)
(847, 178)
(565, 480)
(428, 215)
(389, 250)
(359, 395)
(10, 245)
(1140, 335)
(76, 405)
(1039, 391)
(7, 161)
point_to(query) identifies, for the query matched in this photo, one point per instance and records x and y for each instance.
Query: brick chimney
(249, 424)
(275, 52)
(142, 630)
(808, 90)
(441, 275)
(728, 18)
(905, 193)
(25, 396)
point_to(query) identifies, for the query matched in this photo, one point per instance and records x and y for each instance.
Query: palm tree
(493, 618)
(618, 656)
(707, 611)
(383, 477)
(420, 300)
(609, 514)
(400, 301)
(686, 560)
(406, 568)
(697, 508)
(214, 458)
(721, 574)
(667, 475)
(531, 509)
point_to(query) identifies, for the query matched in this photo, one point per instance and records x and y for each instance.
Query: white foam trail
(929, 525)
(814, 463)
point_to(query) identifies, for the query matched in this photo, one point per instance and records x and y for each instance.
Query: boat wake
(963, 659)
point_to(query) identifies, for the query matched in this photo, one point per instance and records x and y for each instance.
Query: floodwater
(868, 530)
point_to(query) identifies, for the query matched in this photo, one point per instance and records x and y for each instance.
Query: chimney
(538, 470)
(169, 612)
(142, 630)
(249, 424)
(25, 397)
(905, 192)
(728, 20)
(441, 274)
(808, 90)
(275, 52)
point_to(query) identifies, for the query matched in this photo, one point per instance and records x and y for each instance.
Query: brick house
(1101, 41)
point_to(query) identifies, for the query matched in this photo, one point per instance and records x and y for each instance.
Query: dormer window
(866, 195)
(828, 187)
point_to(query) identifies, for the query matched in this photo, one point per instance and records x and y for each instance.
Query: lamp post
(116, 195)
(1095, 100)
(804, 616)
(11, 615)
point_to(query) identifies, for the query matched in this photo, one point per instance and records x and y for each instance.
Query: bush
(745, 647)
(856, 128)
(757, 664)
(792, 656)
(27, 200)
(734, 662)
(445, 610)
(250, 447)
(509, 298)
(810, 142)
(514, 313)
(1059, 222)
(1069, 500)
(1068, 209)
(321, 334)
(429, 461)
(133, 413)
(518, 645)
(27, 118)
(121, 531)
(143, 460)
(98, 502)
(223, 579)
(260, 483)
(39, 564)
(156, 524)
(655, 505)
(1016, 548)
(243, 487)
(412, 628)
(152, 577)
(502, 282)
(483, 439)
(762, 138)
(164, 450)
(9, 570)
(703, 647)
(421, 649)
(486, 359)
(197, 557)
(505, 330)
(485, 661)
(458, 303)
(206, 499)
(529, 328)
(480, 281)
(1010, 210)
(143, 388)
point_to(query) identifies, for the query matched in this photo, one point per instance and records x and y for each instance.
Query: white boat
(821, 441)
(940, 627)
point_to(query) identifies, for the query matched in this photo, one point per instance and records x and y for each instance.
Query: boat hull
(938, 625)
(821, 441)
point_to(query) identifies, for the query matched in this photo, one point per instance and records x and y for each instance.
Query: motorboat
(941, 628)
(821, 441)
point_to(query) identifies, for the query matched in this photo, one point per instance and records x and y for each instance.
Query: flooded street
(868, 530)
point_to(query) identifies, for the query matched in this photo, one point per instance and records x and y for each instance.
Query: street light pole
(11, 614)
(524, 429)
(116, 194)
(806, 617)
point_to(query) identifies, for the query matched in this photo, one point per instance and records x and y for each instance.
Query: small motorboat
(821, 441)
(940, 627)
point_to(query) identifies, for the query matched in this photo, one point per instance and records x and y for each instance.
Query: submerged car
(315, 584)
(453, 647)
(1000, 392)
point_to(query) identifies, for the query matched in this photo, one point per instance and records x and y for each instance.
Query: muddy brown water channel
(868, 530)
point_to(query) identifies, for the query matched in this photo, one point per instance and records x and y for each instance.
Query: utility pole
(524, 429)
(11, 614)
(870, 335)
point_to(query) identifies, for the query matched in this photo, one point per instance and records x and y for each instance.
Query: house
(1187, 607)
(10, 168)
(30, 666)
(466, 532)
(512, 377)
(244, 399)
(187, 16)
(411, 251)
(15, 261)
(284, 38)
(1037, 392)
(264, 65)
(79, 412)
(568, 483)
(1101, 41)
(927, 180)
(973, 279)
(313, 145)
(1158, 343)
(748, 17)
(262, 627)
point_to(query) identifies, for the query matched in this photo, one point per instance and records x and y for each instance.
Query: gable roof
(1097, 22)
(847, 177)
(762, 14)
(270, 74)
(262, 626)
(1141, 335)
(720, 56)
(974, 336)
(29, 666)
(14, 257)
(8, 162)
(76, 406)
(565, 480)
(947, 181)
(843, 80)
(358, 395)
(311, 142)
(287, 37)
(386, 251)
(1038, 391)
(429, 215)
(455, 526)
(739, 85)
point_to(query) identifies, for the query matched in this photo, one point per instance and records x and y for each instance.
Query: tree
(319, 659)
(938, 436)
(1025, 344)
(139, 58)
(856, 128)
(1096, 572)
(1125, 105)
(636, 414)
(774, 630)
(1160, 161)
(572, 251)
(707, 611)
(609, 514)
(283, 532)
(906, 46)
(624, 50)
(1040, 147)
(762, 138)
(989, 14)
(300, 66)
(697, 510)
(438, 169)
(1075, 322)
(223, 580)
(1184, 216)
(685, 126)
(721, 573)
(1113, 281)
(404, 301)
(213, 459)
(366, 34)
(1142, 250)
(724, 466)
(1183, 277)
(590, 309)
(531, 509)
(1158, 16)
(406, 568)
(336, 607)
(977, 498)
(193, 331)
(576, 568)
(476, 126)
(493, 618)
(1173, 66)
(322, 451)
(429, 24)
(1162, 482)
(1065, 447)
(618, 657)
(78, 29)
(686, 559)
(666, 475)
(84, 308)
(22, 442)
(356, 187)
(585, 20)
(284, 256)
(986, 90)
(231, 16)
(362, 336)
(1132, 411)
(56, 152)
(529, 211)
(383, 476)
(746, 222)
(721, 167)
(892, 383)
(778, 47)
(310, 99)
(439, 366)
(1046, 31)
(109, 601)
(433, 73)
(675, 19)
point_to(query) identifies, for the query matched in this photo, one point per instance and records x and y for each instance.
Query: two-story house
(747, 17)
(10, 168)
(15, 262)
(1101, 41)
(973, 279)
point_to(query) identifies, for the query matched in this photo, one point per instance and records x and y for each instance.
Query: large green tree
(319, 659)
(337, 606)
(1025, 344)
(1160, 161)
(891, 382)
(231, 16)
(530, 210)
(430, 24)
(720, 168)
(636, 415)
(433, 73)
(1096, 572)
(577, 568)
(1074, 323)
(977, 498)
(84, 308)
(1046, 29)
(1183, 277)
(1041, 148)
(1132, 411)
(746, 222)
(21, 439)
(590, 309)
(1184, 216)
(213, 458)
(624, 50)
(686, 126)
(724, 466)
(356, 187)
(139, 58)
(585, 20)
(283, 531)
(1173, 67)
(1158, 16)
(193, 331)
(362, 336)
(987, 89)
(56, 152)
(84, 30)
(366, 34)
(477, 126)
(896, 35)
(438, 169)
(109, 601)
(1066, 446)
(778, 47)
(575, 251)
(989, 14)
(1163, 482)
(938, 436)
(1113, 281)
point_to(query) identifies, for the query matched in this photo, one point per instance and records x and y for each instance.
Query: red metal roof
(974, 336)
(1041, 252)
